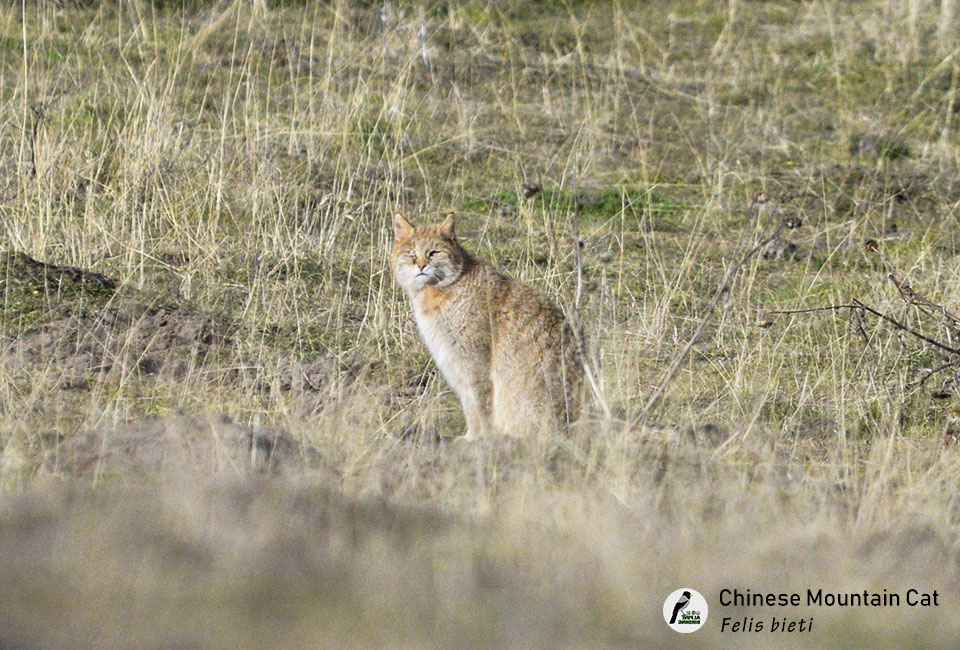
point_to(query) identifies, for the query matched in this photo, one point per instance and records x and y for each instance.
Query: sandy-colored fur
(502, 346)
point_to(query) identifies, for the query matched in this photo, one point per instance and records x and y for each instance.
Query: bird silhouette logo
(685, 610)
(682, 602)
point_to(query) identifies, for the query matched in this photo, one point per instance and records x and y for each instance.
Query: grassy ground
(229, 172)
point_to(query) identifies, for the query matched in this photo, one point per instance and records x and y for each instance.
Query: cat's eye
(413, 254)
(432, 253)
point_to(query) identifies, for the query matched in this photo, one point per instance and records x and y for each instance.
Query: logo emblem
(685, 610)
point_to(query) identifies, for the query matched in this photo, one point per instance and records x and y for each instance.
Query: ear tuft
(402, 229)
(446, 229)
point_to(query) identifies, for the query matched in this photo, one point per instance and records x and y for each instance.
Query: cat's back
(535, 362)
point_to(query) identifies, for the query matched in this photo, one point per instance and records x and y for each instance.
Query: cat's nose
(422, 264)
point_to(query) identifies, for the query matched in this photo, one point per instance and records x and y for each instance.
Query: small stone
(530, 190)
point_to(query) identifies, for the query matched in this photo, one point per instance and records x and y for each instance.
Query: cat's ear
(446, 230)
(402, 229)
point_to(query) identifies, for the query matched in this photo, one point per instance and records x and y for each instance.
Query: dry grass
(232, 167)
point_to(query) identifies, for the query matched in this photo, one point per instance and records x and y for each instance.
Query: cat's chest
(446, 338)
(437, 334)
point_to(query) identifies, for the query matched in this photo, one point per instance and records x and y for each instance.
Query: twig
(931, 373)
(909, 295)
(856, 315)
(678, 360)
(38, 115)
(914, 298)
(39, 112)
(575, 323)
(856, 304)
(893, 321)
(809, 310)
(577, 253)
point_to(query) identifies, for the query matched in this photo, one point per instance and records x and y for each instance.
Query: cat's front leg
(476, 411)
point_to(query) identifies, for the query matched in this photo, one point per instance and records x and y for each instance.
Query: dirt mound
(80, 344)
(174, 446)
(77, 322)
(78, 327)
(22, 272)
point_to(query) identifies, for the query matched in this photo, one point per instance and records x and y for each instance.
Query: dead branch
(931, 373)
(922, 302)
(912, 299)
(574, 316)
(893, 321)
(38, 113)
(722, 289)
(858, 305)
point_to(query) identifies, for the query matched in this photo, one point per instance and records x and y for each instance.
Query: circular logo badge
(685, 610)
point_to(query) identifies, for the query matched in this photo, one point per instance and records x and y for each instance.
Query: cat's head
(427, 256)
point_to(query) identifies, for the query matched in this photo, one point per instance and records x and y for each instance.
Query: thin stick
(914, 298)
(575, 321)
(810, 309)
(906, 329)
(931, 373)
(39, 115)
(856, 304)
(678, 360)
